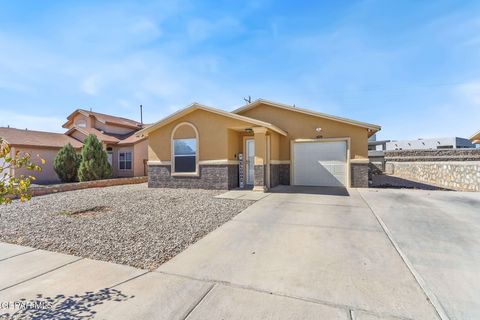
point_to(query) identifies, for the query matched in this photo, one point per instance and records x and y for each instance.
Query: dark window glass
(185, 155)
(125, 161)
(185, 164)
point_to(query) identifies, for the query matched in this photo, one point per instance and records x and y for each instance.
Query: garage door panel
(320, 163)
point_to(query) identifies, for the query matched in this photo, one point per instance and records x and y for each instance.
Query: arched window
(184, 141)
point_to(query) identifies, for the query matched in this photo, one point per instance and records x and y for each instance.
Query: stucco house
(260, 145)
(127, 152)
(40, 145)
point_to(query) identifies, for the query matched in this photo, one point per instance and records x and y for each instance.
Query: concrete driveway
(298, 253)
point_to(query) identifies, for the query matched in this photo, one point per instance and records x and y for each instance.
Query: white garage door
(320, 163)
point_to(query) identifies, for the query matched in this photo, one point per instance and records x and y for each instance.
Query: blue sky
(412, 67)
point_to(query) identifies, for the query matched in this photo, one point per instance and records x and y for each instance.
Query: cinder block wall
(456, 169)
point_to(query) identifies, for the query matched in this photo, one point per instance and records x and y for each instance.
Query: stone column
(259, 179)
(359, 173)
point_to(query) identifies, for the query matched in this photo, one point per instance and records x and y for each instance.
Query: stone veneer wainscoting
(279, 174)
(359, 175)
(221, 177)
(224, 177)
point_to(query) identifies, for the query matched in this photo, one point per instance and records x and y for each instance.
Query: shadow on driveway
(64, 307)
(328, 191)
(393, 182)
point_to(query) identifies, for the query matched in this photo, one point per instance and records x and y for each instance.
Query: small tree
(94, 163)
(15, 186)
(66, 164)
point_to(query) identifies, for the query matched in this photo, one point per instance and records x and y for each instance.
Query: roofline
(75, 128)
(472, 138)
(71, 115)
(88, 133)
(130, 143)
(35, 145)
(16, 145)
(88, 114)
(255, 103)
(197, 106)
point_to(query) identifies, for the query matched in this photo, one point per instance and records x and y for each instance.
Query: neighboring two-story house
(127, 153)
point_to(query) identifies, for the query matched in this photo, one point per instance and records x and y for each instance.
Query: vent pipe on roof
(141, 115)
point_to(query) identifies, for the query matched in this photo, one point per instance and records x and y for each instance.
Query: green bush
(94, 163)
(66, 164)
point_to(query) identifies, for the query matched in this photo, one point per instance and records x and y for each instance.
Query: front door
(249, 160)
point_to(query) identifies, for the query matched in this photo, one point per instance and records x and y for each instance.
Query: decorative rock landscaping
(136, 225)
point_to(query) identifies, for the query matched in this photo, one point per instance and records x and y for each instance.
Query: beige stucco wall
(48, 174)
(140, 153)
(116, 172)
(216, 140)
(274, 146)
(235, 144)
(184, 131)
(302, 126)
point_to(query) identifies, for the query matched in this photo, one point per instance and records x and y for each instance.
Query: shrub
(15, 186)
(94, 163)
(66, 164)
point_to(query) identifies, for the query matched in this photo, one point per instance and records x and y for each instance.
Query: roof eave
(475, 137)
(196, 106)
(257, 102)
(130, 126)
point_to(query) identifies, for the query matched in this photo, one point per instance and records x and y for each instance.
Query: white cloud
(202, 29)
(146, 29)
(470, 92)
(91, 85)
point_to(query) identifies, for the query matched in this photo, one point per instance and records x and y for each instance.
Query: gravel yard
(128, 224)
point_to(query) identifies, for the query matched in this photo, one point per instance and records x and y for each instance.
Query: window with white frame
(125, 160)
(81, 123)
(185, 155)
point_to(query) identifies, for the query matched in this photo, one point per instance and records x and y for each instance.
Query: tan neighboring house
(40, 145)
(260, 145)
(127, 152)
(475, 138)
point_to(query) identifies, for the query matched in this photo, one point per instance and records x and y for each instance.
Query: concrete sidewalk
(299, 253)
(53, 285)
